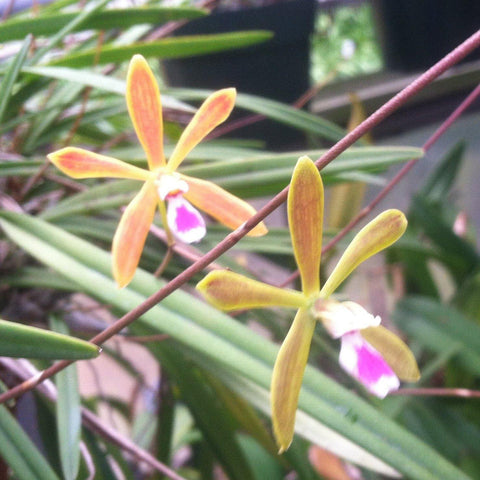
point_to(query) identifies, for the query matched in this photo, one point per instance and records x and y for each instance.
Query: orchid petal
(380, 233)
(145, 109)
(366, 364)
(230, 291)
(340, 318)
(185, 221)
(214, 110)
(80, 163)
(221, 205)
(305, 217)
(394, 351)
(288, 375)
(131, 233)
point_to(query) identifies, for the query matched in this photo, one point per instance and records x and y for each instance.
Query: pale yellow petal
(131, 233)
(145, 109)
(288, 375)
(230, 291)
(214, 110)
(394, 351)
(305, 218)
(380, 233)
(228, 209)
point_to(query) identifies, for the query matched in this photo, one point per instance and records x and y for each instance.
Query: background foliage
(204, 409)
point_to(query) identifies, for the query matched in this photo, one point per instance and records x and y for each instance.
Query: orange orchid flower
(162, 182)
(370, 353)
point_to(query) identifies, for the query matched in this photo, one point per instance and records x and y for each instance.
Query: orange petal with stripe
(131, 233)
(80, 163)
(305, 218)
(214, 110)
(221, 205)
(145, 108)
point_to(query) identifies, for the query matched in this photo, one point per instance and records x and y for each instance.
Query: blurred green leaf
(74, 23)
(438, 327)
(20, 453)
(196, 390)
(68, 412)
(23, 341)
(167, 48)
(11, 75)
(440, 181)
(328, 414)
(45, 25)
(455, 252)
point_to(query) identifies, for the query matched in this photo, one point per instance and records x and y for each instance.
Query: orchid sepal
(231, 291)
(305, 217)
(80, 163)
(131, 233)
(287, 377)
(221, 205)
(145, 109)
(377, 235)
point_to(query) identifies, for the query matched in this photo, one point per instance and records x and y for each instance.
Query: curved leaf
(22, 341)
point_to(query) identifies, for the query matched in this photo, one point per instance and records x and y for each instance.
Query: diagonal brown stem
(230, 240)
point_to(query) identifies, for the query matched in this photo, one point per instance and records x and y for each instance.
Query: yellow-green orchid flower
(369, 352)
(161, 181)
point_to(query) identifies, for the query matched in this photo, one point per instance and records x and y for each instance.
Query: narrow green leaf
(327, 412)
(208, 411)
(18, 451)
(68, 412)
(168, 48)
(12, 73)
(45, 25)
(277, 111)
(22, 341)
(73, 24)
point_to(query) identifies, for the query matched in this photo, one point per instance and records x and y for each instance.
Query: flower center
(170, 185)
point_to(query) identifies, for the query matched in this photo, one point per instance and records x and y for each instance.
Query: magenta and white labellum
(340, 318)
(184, 220)
(363, 362)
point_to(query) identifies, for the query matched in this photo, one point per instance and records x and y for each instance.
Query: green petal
(305, 217)
(230, 291)
(380, 233)
(394, 351)
(288, 375)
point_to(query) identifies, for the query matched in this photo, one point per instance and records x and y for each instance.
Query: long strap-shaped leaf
(15, 29)
(361, 432)
(19, 451)
(11, 75)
